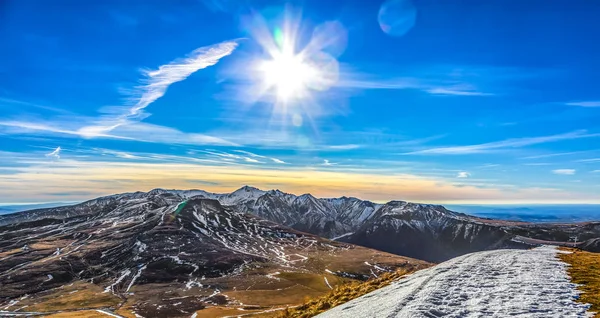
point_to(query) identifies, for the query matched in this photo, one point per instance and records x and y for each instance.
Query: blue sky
(431, 101)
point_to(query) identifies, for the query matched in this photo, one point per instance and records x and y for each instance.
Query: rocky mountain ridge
(423, 231)
(158, 254)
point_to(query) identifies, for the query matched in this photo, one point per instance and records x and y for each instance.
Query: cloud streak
(54, 154)
(504, 144)
(565, 172)
(585, 104)
(588, 160)
(463, 174)
(125, 121)
(156, 82)
(457, 89)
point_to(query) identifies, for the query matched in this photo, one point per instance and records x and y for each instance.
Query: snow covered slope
(500, 283)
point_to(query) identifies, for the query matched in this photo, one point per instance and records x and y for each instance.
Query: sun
(287, 73)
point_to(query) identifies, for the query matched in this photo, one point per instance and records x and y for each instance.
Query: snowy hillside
(170, 258)
(500, 283)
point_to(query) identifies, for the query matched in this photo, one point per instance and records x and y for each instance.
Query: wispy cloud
(241, 156)
(251, 154)
(537, 164)
(550, 155)
(134, 131)
(155, 83)
(585, 104)
(457, 90)
(54, 154)
(488, 166)
(21, 104)
(428, 86)
(463, 174)
(505, 144)
(251, 160)
(18, 127)
(596, 171)
(566, 172)
(328, 163)
(588, 160)
(119, 154)
(124, 122)
(343, 147)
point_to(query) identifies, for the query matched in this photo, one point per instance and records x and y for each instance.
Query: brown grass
(274, 298)
(10, 252)
(585, 270)
(77, 296)
(216, 312)
(340, 295)
(79, 314)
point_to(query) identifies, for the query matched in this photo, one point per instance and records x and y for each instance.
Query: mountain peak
(248, 188)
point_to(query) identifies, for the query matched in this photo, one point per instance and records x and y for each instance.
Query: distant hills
(12, 208)
(535, 212)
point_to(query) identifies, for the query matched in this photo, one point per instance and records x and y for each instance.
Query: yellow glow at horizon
(102, 178)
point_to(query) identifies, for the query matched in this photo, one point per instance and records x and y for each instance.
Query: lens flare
(286, 80)
(288, 73)
(291, 74)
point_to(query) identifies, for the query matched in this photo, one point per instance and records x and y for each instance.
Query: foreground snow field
(500, 283)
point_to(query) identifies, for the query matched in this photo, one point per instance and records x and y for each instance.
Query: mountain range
(422, 231)
(170, 254)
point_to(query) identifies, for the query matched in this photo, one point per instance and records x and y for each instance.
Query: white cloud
(125, 122)
(134, 131)
(251, 160)
(54, 154)
(596, 171)
(253, 155)
(343, 147)
(119, 154)
(505, 144)
(327, 163)
(589, 160)
(156, 82)
(585, 104)
(140, 131)
(457, 90)
(463, 174)
(564, 171)
(549, 155)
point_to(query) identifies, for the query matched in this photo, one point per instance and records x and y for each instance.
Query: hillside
(156, 255)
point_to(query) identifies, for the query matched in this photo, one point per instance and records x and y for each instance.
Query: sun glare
(288, 74)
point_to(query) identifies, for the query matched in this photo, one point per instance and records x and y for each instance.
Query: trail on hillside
(500, 283)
